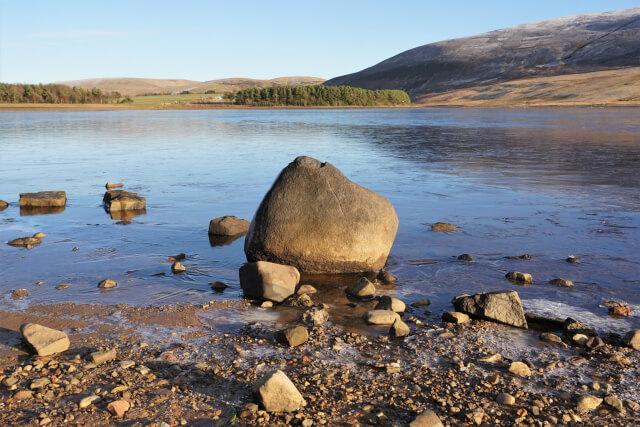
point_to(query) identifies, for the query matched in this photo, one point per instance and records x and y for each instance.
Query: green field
(157, 100)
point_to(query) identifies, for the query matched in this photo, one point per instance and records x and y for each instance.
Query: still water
(549, 182)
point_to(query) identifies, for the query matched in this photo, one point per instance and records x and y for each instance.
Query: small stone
(62, 287)
(276, 393)
(218, 286)
(562, 283)
(306, 289)
(506, 399)
(315, 316)
(44, 341)
(634, 406)
(363, 288)
(176, 267)
(455, 317)
(549, 337)
(23, 395)
(465, 257)
(380, 317)
(517, 276)
(386, 278)
(523, 256)
(19, 294)
(118, 407)
(390, 303)
(293, 336)
(39, 383)
(126, 364)
(580, 339)
(109, 185)
(99, 357)
(442, 226)
(424, 302)
(39, 236)
(266, 304)
(587, 403)
(75, 249)
(572, 260)
(632, 339)
(87, 401)
(491, 359)
(594, 343)
(3, 205)
(427, 418)
(298, 300)
(614, 402)
(107, 284)
(399, 329)
(520, 369)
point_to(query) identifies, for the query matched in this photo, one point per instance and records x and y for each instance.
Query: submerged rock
(620, 310)
(317, 220)
(228, 226)
(121, 200)
(44, 341)
(362, 288)
(380, 317)
(502, 306)
(276, 393)
(572, 260)
(517, 276)
(267, 280)
(25, 242)
(523, 256)
(218, 286)
(19, 294)
(293, 336)
(465, 257)
(299, 300)
(442, 226)
(423, 302)
(43, 199)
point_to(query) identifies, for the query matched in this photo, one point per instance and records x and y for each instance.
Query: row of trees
(56, 94)
(320, 95)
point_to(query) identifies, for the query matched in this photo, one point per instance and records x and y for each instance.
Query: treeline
(319, 95)
(56, 94)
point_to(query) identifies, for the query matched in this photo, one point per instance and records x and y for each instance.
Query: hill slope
(569, 45)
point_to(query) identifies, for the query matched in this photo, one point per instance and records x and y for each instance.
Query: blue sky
(46, 41)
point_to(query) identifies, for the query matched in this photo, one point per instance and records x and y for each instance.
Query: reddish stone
(118, 407)
(622, 310)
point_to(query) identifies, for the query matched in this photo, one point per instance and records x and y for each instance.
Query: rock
(299, 300)
(315, 316)
(562, 283)
(43, 199)
(317, 220)
(121, 200)
(23, 395)
(363, 288)
(39, 383)
(62, 287)
(267, 280)
(427, 418)
(39, 236)
(491, 359)
(306, 289)
(572, 326)
(107, 284)
(549, 337)
(386, 278)
(632, 339)
(9, 381)
(118, 407)
(99, 357)
(3, 205)
(218, 286)
(293, 336)
(517, 276)
(110, 185)
(380, 317)
(424, 302)
(266, 304)
(455, 317)
(178, 257)
(586, 403)
(621, 310)
(544, 322)
(44, 341)
(506, 399)
(572, 260)
(614, 402)
(176, 267)
(594, 343)
(523, 256)
(228, 226)
(25, 242)
(276, 393)
(390, 303)
(87, 401)
(520, 369)
(580, 339)
(442, 226)
(19, 294)
(465, 257)
(502, 306)
(399, 329)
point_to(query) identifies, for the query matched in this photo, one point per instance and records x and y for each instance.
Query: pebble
(62, 287)
(176, 267)
(126, 364)
(506, 399)
(9, 381)
(118, 407)
(23, 394)
(39, 383)
(306, 289)
(87, 401)
(266, 304)
(520, 369)
(614, 402)
(572, 260)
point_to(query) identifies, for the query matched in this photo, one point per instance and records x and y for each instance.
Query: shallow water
(549, 182)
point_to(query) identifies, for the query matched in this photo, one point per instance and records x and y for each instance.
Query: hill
(562, 46)
(139, 86)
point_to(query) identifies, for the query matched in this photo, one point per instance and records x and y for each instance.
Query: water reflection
(44, 210)
(216, 241)
(125, 215)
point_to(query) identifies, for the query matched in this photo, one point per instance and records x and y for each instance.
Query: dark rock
(386, 278)
(390, 303)
(363, 288)
(573, 260)
(524, 256)
(632, 339)
(572, 326)
(424, 302)
(267, 280)
(562, 283)
(465, 257)
(299, 300)
(594, 343)
(228, 226)
(218, 286)
(544, 323)
(502, 306)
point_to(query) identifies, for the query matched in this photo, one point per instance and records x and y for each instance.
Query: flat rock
(520, 369)
(614, 402)
(424, 302)
(317, 220)
(455, 317)
(362, 288)
(632, 339)
(276, 393)
(427, 418)
(25, 242)
(228, 226)
(390, 303)
(442, 226)
(107, 284)
(99, 357)
(44, 341)
(39, 383)
(562, 283)
(118, 407)
(517, 276)
(580, 339)
(572, 326)
(121, 200)
(43, 199)
(293, 336)
(502, 306)
(549, 337)
(87, 401)
(380, 317)
(587, 403)
(523, 256)
(267, 280)
(399, 329)
(22, 395)
(315, 316)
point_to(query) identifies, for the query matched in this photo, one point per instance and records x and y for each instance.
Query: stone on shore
(267, 280)
(549, 337)
(363, 288)
(391, 303)
(107, 284)
(121, 200)
(572, 326)
(43, 199)
(317, 220)
(293, 336)
(44, 341)
(442, 226)
(426, 419)
(118, 407)
(99, 357)
(506, 399)
(587, 403)
(276, 393)
(22, 395)
(87, 401)
(520, 369)
(399, 329)
(562, 283)
(632, 339)
(455, 317)
(228, 226)
(517, 276)
(315, 316)
(25, 241)
(502, 306)
(380, 317)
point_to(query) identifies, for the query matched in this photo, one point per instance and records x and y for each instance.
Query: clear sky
(46, 41)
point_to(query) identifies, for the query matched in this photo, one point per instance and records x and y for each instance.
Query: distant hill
(562, 46)
(138, 86)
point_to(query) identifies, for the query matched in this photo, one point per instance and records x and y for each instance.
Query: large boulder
(502, 306)
(316, 219)
(44, 341)
(276, 393)
(43, 199)
(267, 280)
